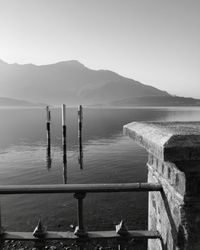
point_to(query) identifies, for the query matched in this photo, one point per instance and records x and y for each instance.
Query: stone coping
(168, 141)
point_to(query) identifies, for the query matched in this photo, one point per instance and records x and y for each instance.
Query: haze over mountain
(72, 83)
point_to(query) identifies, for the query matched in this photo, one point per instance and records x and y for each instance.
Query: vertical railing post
(122, 231)
(1, 243)
(39, 245)
(79, 230)
(1, 231)
(39, 233)
(80, 125)
(121, 246)
(64, 134)
(80, 227)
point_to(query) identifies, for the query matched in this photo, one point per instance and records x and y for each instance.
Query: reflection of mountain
(14, 102)
(157, 101)
(71, 82)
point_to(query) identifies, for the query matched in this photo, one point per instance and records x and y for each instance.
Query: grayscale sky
(154, 41)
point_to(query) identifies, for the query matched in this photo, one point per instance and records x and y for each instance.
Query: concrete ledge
(168, 141)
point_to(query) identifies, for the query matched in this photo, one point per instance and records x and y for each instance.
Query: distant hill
(120, 89)
(72, 83)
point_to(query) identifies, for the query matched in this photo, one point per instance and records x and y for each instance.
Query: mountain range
(72, 83)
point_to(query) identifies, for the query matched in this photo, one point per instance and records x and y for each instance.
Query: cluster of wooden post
(64, 138)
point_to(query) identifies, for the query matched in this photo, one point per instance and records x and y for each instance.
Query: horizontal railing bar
(26, 236)
(77, 188)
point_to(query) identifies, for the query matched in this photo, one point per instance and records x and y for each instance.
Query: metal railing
(80, 235)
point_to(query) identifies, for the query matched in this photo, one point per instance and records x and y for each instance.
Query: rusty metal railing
(80, 235)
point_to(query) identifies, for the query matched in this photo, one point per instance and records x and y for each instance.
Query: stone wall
(165, 208)
(174, 162)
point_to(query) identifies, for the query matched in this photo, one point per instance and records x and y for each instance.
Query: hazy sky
(154, 41)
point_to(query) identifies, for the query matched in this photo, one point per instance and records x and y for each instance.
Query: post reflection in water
(49, 160)
(64, 173)
(80, 159)
(80, 126)
(48, 127)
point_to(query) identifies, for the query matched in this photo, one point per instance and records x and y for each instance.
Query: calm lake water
(109, 157)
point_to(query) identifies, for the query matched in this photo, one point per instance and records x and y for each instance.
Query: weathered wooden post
(174, 162)
(80, 125)
(64, 134)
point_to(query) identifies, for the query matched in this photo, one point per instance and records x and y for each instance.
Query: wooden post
(48, 127)
(80, 125)
(64, 134)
